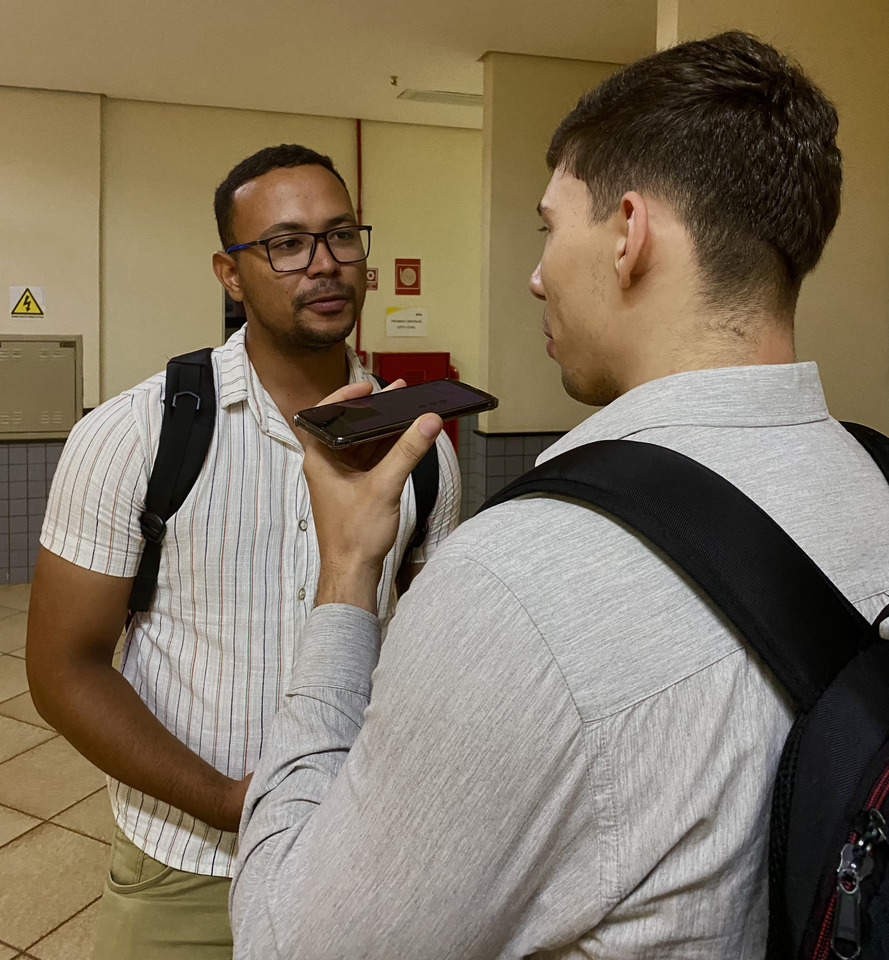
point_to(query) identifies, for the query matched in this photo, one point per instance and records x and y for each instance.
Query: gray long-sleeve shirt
(568, 751)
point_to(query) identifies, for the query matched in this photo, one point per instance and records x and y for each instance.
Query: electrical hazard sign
(27, 302)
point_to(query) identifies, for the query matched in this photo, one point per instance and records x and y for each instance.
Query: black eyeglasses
(294, 251)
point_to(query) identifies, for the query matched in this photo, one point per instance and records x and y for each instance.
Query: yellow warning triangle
(27, 306)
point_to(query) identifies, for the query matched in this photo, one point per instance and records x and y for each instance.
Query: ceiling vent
(442, 96)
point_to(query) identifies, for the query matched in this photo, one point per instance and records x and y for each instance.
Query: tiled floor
(55, 821)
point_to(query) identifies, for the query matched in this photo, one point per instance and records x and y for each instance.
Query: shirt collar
(238, 382)
(770, 395)
(233, 369)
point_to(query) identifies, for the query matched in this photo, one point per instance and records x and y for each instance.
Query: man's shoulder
(530, 544)
(131, 406)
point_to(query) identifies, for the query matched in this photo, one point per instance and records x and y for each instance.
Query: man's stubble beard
(303, 335)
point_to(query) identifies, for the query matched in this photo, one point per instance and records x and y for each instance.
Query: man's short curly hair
(269, 158)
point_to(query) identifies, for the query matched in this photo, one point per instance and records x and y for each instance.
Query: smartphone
(380, 414)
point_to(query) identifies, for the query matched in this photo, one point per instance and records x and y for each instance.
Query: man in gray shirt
(569, 752)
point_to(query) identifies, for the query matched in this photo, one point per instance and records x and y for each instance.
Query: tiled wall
(26, 471)
(489, 461)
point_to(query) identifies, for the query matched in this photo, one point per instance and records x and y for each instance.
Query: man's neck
(298, 379)
(678, 343)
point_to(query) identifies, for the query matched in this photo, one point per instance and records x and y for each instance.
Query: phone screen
(381, 414)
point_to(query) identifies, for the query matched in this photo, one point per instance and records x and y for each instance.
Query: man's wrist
(351, 582)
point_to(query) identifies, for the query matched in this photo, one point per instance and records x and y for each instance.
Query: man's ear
(633, 221)
(226, 271)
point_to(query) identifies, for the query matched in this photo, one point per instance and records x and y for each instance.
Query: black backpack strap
(792, 615)
(186, 432)
(874, 442)
(425, 479)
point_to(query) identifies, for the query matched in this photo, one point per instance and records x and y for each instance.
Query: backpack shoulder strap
(425, 480)
(792, 615)
(874, 442)
(186, 432)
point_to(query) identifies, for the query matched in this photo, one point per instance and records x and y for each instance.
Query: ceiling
(304, 56)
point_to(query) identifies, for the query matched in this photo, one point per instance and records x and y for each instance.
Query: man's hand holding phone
(356, 496)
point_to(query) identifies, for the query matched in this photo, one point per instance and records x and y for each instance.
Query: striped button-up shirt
(239, 566)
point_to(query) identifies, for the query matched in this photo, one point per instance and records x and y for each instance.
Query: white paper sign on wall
(405, 321)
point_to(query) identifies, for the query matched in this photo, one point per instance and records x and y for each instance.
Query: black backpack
(828, 840)
(186, 432)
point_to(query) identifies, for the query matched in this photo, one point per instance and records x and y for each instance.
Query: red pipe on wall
(362, 356)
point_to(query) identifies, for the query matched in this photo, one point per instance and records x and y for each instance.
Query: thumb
(409, 450)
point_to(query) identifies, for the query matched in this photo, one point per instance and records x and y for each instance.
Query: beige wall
(525, 98)
(843, 315)
(49, 215)
(422, 193)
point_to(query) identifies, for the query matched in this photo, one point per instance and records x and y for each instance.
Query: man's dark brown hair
(739, 141)
(269, 158)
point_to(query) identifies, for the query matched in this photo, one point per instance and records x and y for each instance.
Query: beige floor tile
(13, 824)
(22, 708)
(91, 816)
(20, 653)
(48, 779)
(7, 611)
(13, 630)
(8, 953)
(13, 680)
(17, 737)
(41, 899)
(16, 596)
(72, 941)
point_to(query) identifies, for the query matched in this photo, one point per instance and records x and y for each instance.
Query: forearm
(436, 825)
(100, 713)
(309, 742)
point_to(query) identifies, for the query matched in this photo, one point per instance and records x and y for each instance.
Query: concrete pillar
(524, 99)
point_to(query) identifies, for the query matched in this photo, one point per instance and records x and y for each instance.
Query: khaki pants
(153, 912)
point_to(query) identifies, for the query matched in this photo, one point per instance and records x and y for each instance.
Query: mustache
(325, 290)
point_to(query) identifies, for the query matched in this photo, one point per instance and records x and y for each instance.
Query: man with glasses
(207, 667)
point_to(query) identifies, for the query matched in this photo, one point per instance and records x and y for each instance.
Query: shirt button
(303, 524)
(301, 594)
